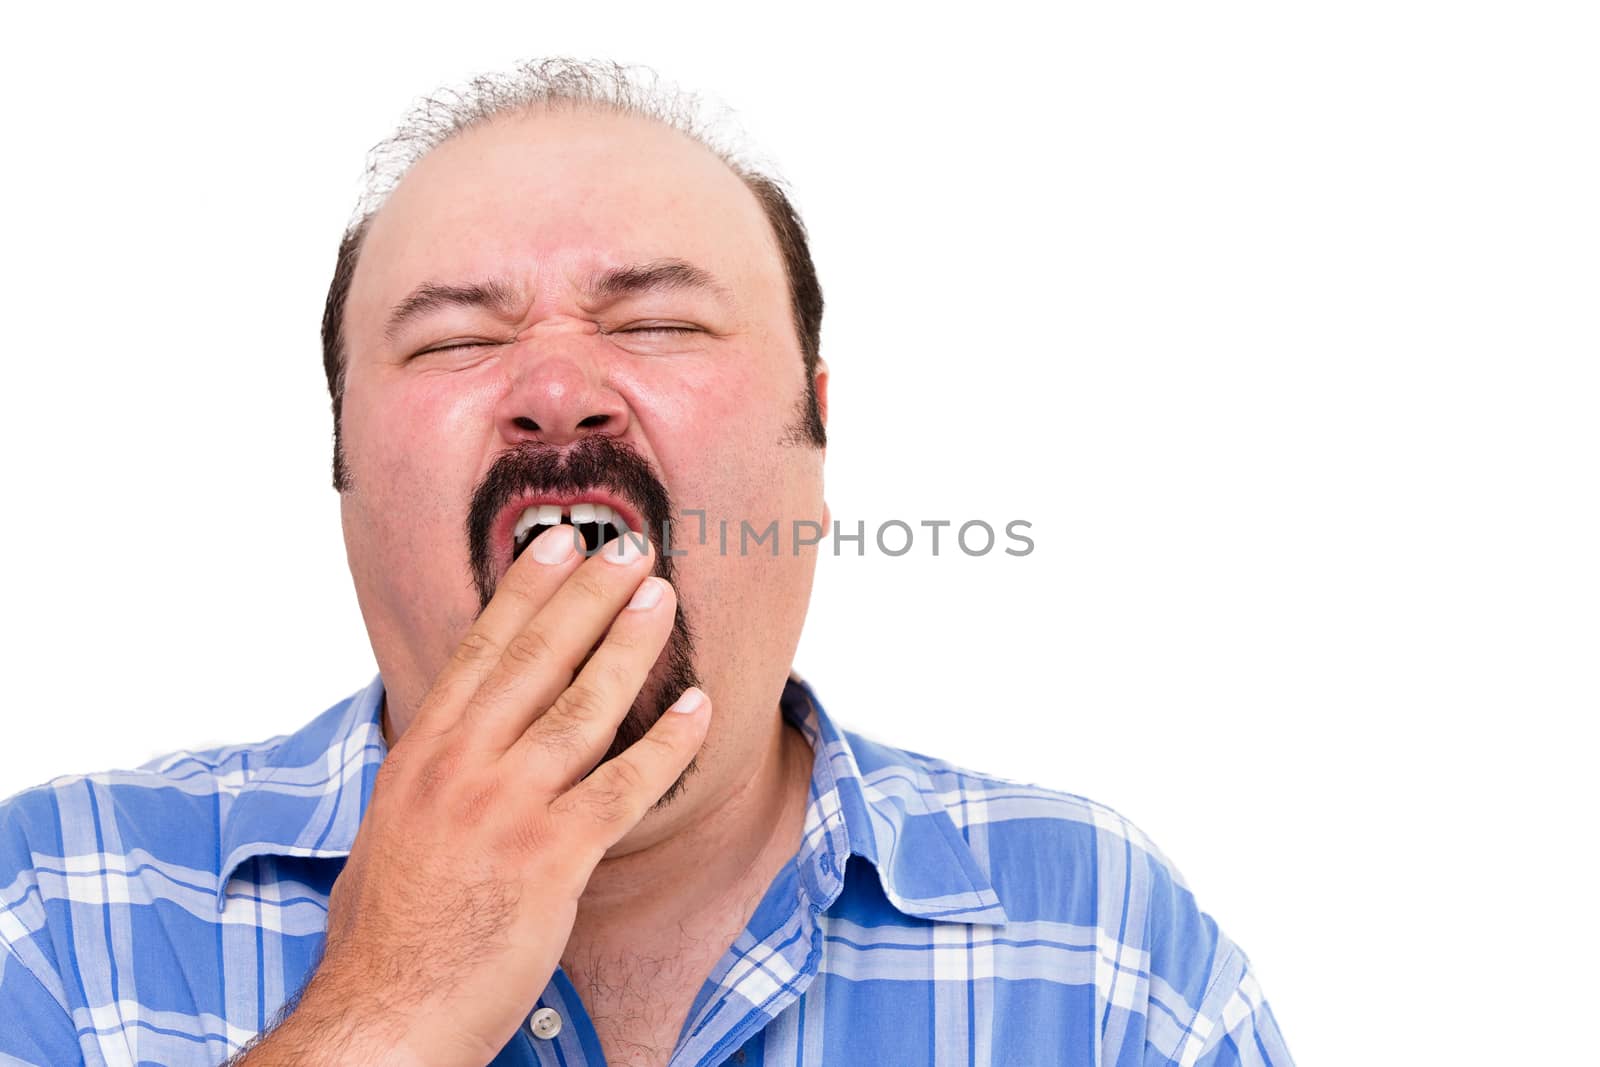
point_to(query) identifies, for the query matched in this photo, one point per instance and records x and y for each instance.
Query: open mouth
(598, 524)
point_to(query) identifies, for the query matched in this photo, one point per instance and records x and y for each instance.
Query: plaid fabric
(931, 916)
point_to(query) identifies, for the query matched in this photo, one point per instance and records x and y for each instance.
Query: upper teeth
(551, 515)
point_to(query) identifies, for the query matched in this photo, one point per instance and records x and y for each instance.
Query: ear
(821, 378)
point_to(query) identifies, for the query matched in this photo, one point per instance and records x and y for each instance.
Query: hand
(462, 885)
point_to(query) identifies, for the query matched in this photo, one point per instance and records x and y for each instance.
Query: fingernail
(690, 701)
(553, 546)
(648, 595)
(626, 548)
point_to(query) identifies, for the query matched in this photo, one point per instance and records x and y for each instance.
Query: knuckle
(621, 676)
(607, 806)
(476, 800)
(533, 833)
(530, 648)
(560, 736)
(438, 771)
(585, 584)
(564, 807)
(516, 586)
(394, 766)
(473, 649)
(623, 778)
(623, 638)
(661, 751)
(581, 701)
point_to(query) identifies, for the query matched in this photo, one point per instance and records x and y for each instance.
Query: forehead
(543, 199)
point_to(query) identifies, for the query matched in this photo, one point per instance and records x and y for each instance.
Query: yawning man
(586, 813)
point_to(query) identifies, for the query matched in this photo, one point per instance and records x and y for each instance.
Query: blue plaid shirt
(931, 916)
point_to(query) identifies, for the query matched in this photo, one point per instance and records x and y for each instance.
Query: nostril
(594, 422)
(522, 422)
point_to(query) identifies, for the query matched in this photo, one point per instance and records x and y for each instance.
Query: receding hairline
(564, 85)
(533, 111)
(554, 85)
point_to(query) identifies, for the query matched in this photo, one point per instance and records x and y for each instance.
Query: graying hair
(552, 84)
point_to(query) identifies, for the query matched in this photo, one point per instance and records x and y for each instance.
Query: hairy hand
(486, 822)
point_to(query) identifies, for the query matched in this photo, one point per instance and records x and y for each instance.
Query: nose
(557, 397)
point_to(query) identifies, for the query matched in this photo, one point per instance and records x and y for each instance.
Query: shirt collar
(309, 793)
(877, 802)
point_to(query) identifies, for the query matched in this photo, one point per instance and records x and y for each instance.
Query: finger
(568, 739)
(526, 587)
(540, 659)
(619, 793)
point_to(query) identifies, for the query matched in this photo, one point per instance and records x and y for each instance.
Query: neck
(714, 866)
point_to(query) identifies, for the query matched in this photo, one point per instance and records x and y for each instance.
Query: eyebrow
(600, 289)
(493, 294)
(658, 275)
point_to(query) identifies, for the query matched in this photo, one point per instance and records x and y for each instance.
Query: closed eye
(660, 329)
(451, 346)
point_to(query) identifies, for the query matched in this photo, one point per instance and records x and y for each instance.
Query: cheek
(687, 402)
(715, 424)
(413, 431)
(412, 448)
(721, 436)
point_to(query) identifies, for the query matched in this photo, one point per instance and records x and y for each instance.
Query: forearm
(309, 1032)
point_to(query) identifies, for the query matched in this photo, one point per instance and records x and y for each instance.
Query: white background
(1278, 323)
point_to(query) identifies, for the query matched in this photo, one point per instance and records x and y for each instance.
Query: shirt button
(544, 1023)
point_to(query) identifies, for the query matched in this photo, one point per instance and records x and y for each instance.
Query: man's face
(610, 318)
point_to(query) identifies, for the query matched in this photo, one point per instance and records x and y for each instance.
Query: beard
(594, 462)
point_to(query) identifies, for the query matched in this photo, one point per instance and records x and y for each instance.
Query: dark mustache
(594, 462)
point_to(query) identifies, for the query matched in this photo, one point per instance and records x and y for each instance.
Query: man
(585, 814)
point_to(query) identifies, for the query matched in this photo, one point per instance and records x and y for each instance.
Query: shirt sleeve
(35, 1029)
(1238, 1027)
(1206, 1008)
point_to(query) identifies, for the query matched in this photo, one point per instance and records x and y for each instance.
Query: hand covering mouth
(601, 486)
(570, 485)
